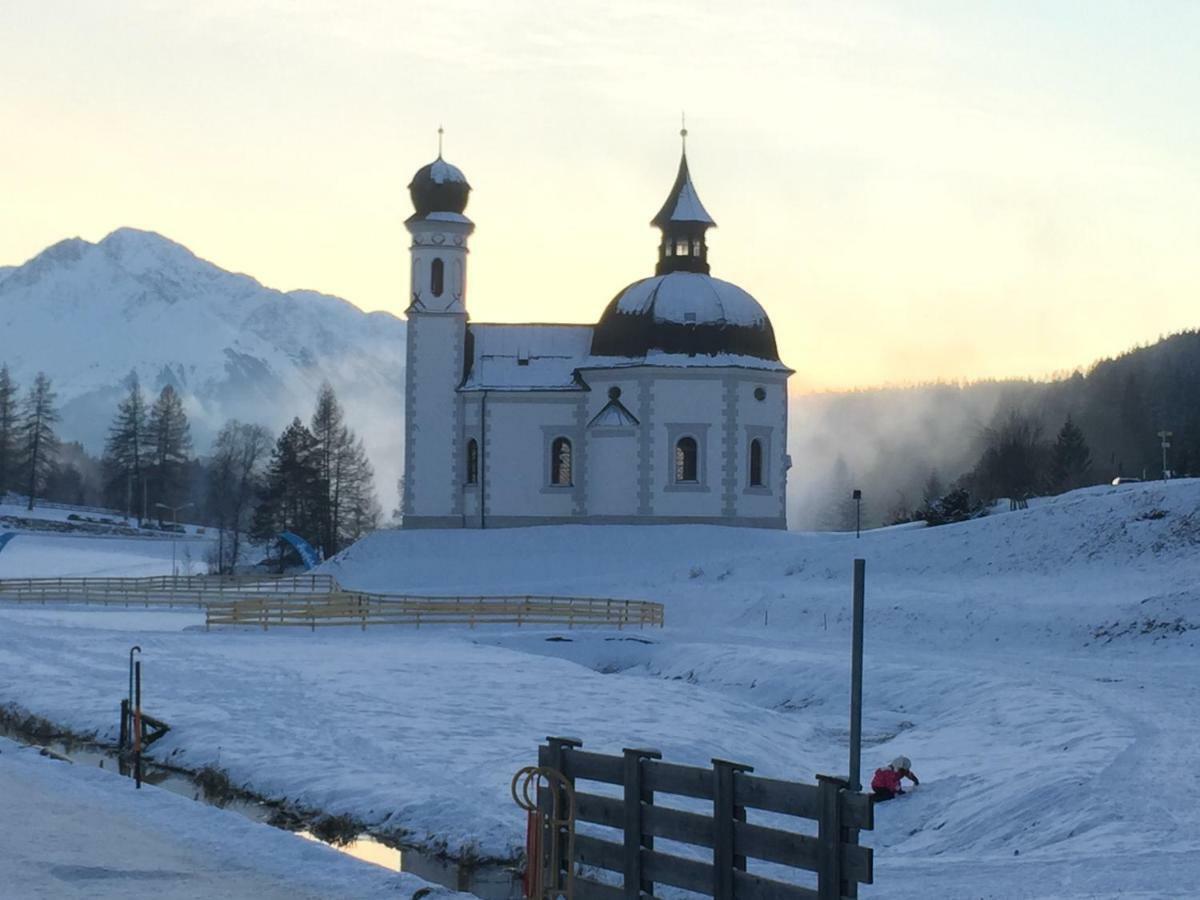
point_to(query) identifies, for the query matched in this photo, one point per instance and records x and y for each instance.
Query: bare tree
(239, 457)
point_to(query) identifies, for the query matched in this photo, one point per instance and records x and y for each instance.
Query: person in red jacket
(886, 783)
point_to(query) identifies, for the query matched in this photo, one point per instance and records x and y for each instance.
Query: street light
(174, 510)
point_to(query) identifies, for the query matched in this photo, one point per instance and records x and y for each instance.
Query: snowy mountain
(89, 314)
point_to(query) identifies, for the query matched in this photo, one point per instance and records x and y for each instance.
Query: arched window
(681, 247)
(437, 277)
(756, 463)
(686, 469)
(472, 462)
(560, 461)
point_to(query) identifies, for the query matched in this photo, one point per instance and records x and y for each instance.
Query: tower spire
(683, 131)
(440, 132)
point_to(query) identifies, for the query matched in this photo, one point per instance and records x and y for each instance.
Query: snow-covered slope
(87, 314)
(1039, 667)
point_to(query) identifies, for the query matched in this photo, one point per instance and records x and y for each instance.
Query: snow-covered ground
(79, 832)
(43, 555)
(1040, 668)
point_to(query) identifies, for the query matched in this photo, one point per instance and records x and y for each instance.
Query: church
(671, 409)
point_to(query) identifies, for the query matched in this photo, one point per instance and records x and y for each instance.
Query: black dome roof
(686, 313)
(439, 187)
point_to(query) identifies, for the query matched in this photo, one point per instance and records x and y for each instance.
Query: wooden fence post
(725, 813)
(636, 840)
(555, 757)
(829, 834)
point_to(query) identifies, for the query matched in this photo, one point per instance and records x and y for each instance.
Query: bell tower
(683, 221)
(436, 343)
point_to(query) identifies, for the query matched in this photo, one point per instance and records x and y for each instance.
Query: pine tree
(8, 432)
(128, 452)
(290, 498)
(362, 507)
(1070, 458)
(333, 442)
(37, 442)
(347, 506)
(171, 443)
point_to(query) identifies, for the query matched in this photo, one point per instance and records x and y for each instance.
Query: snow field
(43, 555)
(1053, 763)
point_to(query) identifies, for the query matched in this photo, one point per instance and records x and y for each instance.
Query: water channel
(489, 881)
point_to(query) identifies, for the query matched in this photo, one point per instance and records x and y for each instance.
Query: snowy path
(76, 832)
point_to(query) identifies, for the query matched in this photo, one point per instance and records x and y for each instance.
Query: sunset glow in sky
(913, 190)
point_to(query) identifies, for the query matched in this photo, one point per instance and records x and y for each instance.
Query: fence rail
(724, 835)
(345, 608)
(318, 600)
(161, 590)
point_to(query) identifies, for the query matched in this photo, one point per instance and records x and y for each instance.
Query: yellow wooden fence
(318, 600)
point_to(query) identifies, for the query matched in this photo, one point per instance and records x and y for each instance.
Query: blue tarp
(308, 555)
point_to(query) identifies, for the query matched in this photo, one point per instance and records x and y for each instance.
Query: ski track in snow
(1053, 763)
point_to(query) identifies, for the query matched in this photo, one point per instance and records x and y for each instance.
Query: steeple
(683, 221)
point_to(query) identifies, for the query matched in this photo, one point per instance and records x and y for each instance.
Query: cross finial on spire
(683, 130)
(440, 132)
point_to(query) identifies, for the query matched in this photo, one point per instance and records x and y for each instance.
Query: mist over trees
(893, 439)
(313, 480)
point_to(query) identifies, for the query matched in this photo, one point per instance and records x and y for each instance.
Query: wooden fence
(834, 854)
(318, 600)
(346, 608)
(164, 590)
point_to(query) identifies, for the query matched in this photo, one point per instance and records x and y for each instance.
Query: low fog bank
(886, 442)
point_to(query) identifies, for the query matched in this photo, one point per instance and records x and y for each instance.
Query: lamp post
(857, 498)
(174, 510)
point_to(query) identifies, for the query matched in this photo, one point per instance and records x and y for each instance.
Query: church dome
(439, 188)
(688, 313)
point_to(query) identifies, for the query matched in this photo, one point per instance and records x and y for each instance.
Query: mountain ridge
(89, 314)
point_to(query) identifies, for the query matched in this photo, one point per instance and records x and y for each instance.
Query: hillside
(89, 314)
(888, 440)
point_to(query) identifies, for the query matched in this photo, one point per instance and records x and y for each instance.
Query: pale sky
(913, 190)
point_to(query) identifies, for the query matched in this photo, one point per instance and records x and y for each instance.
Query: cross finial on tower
(440, 132)
(683, 130)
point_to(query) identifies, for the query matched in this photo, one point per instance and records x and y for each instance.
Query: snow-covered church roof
(503, 357)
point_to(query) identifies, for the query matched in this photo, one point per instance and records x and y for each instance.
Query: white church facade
(672, 408)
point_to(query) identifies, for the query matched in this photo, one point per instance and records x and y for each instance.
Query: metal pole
(132, 650)
(137, 724)
(856, 675)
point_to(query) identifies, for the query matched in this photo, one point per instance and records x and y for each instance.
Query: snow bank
(87, 833)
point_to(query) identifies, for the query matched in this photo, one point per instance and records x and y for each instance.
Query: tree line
(1032, 438)
(314, 480)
